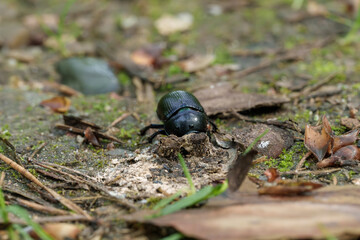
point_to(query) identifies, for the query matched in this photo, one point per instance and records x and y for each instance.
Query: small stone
(271, 145)
(87, 75)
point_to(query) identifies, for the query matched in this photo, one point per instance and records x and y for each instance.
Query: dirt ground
(307, 56)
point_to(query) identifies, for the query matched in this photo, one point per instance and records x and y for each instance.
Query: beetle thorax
(186, 121)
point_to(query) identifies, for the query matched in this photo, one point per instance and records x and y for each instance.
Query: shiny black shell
(174, 101)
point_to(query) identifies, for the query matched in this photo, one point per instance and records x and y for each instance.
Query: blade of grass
(187, 174)
(186, 202)
(166, 201)
(255, 141)
(175, 236)
(23, 214)
(23, 233)
(5, 217)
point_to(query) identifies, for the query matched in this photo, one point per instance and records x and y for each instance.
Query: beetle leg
(215, 128)
(157, 126)
(155, 134)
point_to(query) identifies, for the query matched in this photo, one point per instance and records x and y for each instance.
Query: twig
(13, 150)
(54, 219)
(119, 119)
(70, 170)
(36, 151)
(2, 177)
(306, 91)
(42, 208)
(291, 55)
(302, 161)
(75, 178)
(66, 202)
(261, 160)
(81, 132)
(282, 124)
(317, 172)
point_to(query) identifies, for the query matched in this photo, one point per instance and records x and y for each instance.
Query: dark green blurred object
(88, 75)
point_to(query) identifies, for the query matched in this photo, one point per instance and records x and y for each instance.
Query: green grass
(14, 230)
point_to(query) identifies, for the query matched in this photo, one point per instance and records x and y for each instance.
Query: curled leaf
(272, 174)
(344, 156)
(344, 140)
(90, 137)
(58, 104)
(317, 140)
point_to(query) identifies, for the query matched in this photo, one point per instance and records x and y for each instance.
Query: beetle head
(186, 121)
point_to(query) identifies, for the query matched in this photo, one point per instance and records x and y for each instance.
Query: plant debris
(221, 98)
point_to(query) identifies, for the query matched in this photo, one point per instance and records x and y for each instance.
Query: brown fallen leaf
(350, 123)
(317, 140)
(90, 137)
(344, 156)
(149, 56)
(344, 140)
(59, 231)
(222, 98)
(329, 211)
(239, 169)
(272, 174)
(197, 63)
(289, 188)
(57, 104)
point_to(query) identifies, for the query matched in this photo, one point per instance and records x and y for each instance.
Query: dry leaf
(90, 137)
(344, 156)
(57, 104)
(316, 9)
(272, 174)
(289, 188)
(344, 140)
(197, 63)
(350, 123)
(265, 217)
(317, 140)
(221, 98)
(149, 56)
(169, 24)
(239, 169)
(62, 231)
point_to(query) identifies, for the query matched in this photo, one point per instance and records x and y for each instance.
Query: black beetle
(181, 114)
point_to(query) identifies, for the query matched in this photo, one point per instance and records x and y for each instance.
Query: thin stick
(81, 132)
(302, 161)
(66, 202)
(119, 119)
(42, 208)
(2, 177)
(36, 151)
(282, 124)
(317, 172)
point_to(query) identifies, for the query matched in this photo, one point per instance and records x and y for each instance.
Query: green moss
(174, 69)
(338, 130)
(303, 116)
(287, 159)
(4, 132)
(124, 79)
(222, 56)
(320, 67)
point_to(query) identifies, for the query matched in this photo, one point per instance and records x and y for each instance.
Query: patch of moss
(338, 130)
(303, 116)
(222, 56)
(287, 158)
